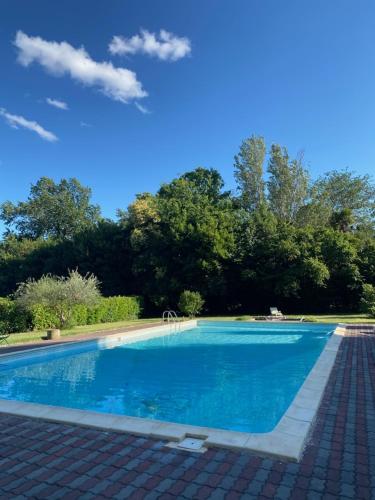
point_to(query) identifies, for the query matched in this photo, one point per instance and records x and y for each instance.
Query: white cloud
(56, 103)
(85, 125)
(61, 58)
(142, 109)
(17, 121)
(165, 46)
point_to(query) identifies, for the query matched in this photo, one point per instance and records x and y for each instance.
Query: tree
(344, 190)
(59, 294)
(207, 182)
(52, 210)
(342, 220)
(287, 184)
(248, 172)
(181, 238)
(190, 303)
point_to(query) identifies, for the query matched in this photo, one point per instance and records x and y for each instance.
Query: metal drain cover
(191, 444)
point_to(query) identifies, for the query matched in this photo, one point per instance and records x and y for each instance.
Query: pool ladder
(171, 317)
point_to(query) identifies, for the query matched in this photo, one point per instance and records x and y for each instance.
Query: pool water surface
(227, 375)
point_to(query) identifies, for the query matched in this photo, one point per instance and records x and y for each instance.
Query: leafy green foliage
(287, 184)
(111, 309)
(52, 210)
(248, 172)
(342, 220)
(284, 239)
(368, 299)
(343, 190)
(12, 319)
(182, 238)
(58, 295)
(190, 303)
(44, 317)
(41, 316)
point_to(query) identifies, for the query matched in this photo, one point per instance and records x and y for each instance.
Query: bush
(12, 318)
(42, 317)
(59, 296)
(79, 315)
(190, 303)
(111, 309)
(108, 310)
(368, 299)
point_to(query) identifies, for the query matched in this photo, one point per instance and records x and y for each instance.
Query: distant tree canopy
(281, 239)
(52, 210)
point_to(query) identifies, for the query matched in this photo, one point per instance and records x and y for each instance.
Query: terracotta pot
(53, 334)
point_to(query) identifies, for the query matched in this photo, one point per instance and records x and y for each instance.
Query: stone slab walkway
(39, 459)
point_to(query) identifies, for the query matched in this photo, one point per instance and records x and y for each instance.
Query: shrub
(112, 309)
(79, 315)
(59, 296)
(368, 299)
(108, 309)
(43, 317)
(12, 318)
(190, 303)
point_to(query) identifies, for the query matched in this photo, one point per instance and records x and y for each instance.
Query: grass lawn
(320, 318)
(36, 336)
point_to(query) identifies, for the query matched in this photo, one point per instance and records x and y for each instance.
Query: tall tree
(344, 190)
(52, 210)
(182, 238)
(287, 184)
(248, 172)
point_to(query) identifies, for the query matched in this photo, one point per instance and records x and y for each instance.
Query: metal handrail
(170, 315)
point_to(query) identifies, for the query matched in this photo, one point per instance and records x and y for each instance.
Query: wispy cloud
(56, 103)
(142, 109)
(85, 125)
(165, 46)
(17, 121)
(61, 58)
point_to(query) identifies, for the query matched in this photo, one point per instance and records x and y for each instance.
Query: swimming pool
(225, 375)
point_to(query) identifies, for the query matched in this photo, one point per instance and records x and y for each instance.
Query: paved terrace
(41, 459)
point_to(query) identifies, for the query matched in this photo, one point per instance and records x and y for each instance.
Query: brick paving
(40, 459)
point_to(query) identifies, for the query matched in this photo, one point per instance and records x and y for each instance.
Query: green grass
(36, 336)
(320, 318)
(337, 318)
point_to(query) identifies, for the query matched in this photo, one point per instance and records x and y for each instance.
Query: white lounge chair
(276, 314)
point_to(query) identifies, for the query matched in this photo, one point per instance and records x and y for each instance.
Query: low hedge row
(109, 309)
(12, 319)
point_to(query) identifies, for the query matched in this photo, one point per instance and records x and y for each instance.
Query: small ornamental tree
(190, 303)
(59, 295)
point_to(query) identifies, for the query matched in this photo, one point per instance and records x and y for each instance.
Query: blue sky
(298, 72)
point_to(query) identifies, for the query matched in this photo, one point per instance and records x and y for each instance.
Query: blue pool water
(228, 375)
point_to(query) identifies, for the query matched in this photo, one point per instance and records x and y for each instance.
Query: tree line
(280, 239)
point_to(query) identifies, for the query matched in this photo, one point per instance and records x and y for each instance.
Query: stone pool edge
(286, 441)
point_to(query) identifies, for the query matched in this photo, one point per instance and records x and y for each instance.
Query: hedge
(109, 309)
(12, 319)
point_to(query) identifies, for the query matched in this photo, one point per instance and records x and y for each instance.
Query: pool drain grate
(189, 444)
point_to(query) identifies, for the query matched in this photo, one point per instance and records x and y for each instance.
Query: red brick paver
(40, 459)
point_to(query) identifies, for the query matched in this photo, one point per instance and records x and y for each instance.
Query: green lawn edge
(316, 318)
